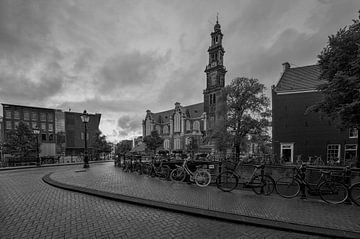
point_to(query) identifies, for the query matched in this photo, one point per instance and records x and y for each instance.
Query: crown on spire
(217, 25)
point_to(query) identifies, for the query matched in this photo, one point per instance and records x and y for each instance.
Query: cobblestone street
(32, 209)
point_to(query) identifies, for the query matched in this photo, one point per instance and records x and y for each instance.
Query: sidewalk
(314, 217)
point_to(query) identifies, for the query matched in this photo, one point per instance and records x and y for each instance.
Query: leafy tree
(123, 147)
(153, 141)
(247, 110)
(100, 145)
(340, 69)
(21, 142)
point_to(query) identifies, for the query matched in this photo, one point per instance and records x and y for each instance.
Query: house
(297, 135)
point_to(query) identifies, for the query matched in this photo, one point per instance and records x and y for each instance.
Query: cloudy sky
(119, 57)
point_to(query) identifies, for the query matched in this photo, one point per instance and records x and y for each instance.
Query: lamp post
(36, 132)
(85, 119)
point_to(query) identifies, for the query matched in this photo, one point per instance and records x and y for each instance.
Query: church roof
(191, 111)
(300, 79)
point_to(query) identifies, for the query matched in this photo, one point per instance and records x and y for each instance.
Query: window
(16, 124)
(51, 137)
(333, 152)
(147, 127)
(196, 126)
(8, 125)
(16, 114)
(177, 122)
(177, 143)
(50, 127)
(34, 116)
(42, 117)
(27, 124)
(350, 151)
(8, 114)
(82, 136)
(34, 125)
(188, 125)
(158, 129)
(43, 126)
(166, 144)
(287, 152)
(26, 115)
(353, 133)
(214, 98)
(50, 117)
(166, 129)
(43, 137)
(187, 140)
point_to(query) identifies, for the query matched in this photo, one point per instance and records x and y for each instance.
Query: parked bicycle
(329, 190)
(200, 176)
(258, 182)
(354, 192)
(157, 169)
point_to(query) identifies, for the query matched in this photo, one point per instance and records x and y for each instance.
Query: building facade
(75, 132)
(61, 132)
(297, 134)
(183, 124)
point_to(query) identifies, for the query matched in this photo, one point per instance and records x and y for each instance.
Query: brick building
(61, 132)
(75, 132)
(180, 125)
(296, 134)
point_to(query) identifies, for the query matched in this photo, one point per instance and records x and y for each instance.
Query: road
(29, 208)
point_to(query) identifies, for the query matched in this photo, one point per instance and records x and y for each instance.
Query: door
(287, 152)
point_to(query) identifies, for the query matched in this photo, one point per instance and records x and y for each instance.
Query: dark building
(75, 132)
(182, 124)
(61, 133)
(34, 117)
(299, 135)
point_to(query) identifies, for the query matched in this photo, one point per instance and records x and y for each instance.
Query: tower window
(214, 99)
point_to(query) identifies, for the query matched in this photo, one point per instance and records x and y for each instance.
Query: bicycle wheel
(333, 192)
(227, 181)
(178, 174)
(147, 169)
(164, 172)
(355, 193)
(202, 178)
(287, 187)
(263, 184)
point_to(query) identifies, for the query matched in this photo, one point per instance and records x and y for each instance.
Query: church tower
(214, 102)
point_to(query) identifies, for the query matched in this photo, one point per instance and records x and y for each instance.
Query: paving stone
(29, 208)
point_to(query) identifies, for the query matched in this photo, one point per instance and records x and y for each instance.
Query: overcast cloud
(119, 58)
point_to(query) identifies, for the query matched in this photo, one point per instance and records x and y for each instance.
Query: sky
(120, 58)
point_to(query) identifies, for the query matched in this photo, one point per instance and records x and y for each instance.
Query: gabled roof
(191, 111)
(300, 79)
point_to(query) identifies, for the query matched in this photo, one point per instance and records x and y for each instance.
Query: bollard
(347, 181)
(302, 185)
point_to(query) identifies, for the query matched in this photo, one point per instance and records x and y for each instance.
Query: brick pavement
(29, 208)
(293, 211)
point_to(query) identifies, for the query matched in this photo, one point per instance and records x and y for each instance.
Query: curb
(235, 218)
(52, 165)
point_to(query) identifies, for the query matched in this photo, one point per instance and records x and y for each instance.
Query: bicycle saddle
(259, 166)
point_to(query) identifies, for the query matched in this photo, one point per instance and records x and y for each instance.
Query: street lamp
(36, 132)
(85, 119)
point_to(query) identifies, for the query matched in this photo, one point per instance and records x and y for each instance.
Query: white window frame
(196, 126)
(328, 149)
(158, 129)
(287, 146)
(16, 114)
(177, 127)
(177, 143)
(353, 133)
(26, 115)
(147, 127)
(8, 125)
(346, 149)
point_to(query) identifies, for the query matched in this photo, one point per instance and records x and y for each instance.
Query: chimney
(286, 66)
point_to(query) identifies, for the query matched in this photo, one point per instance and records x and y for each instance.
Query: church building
(183, 124)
